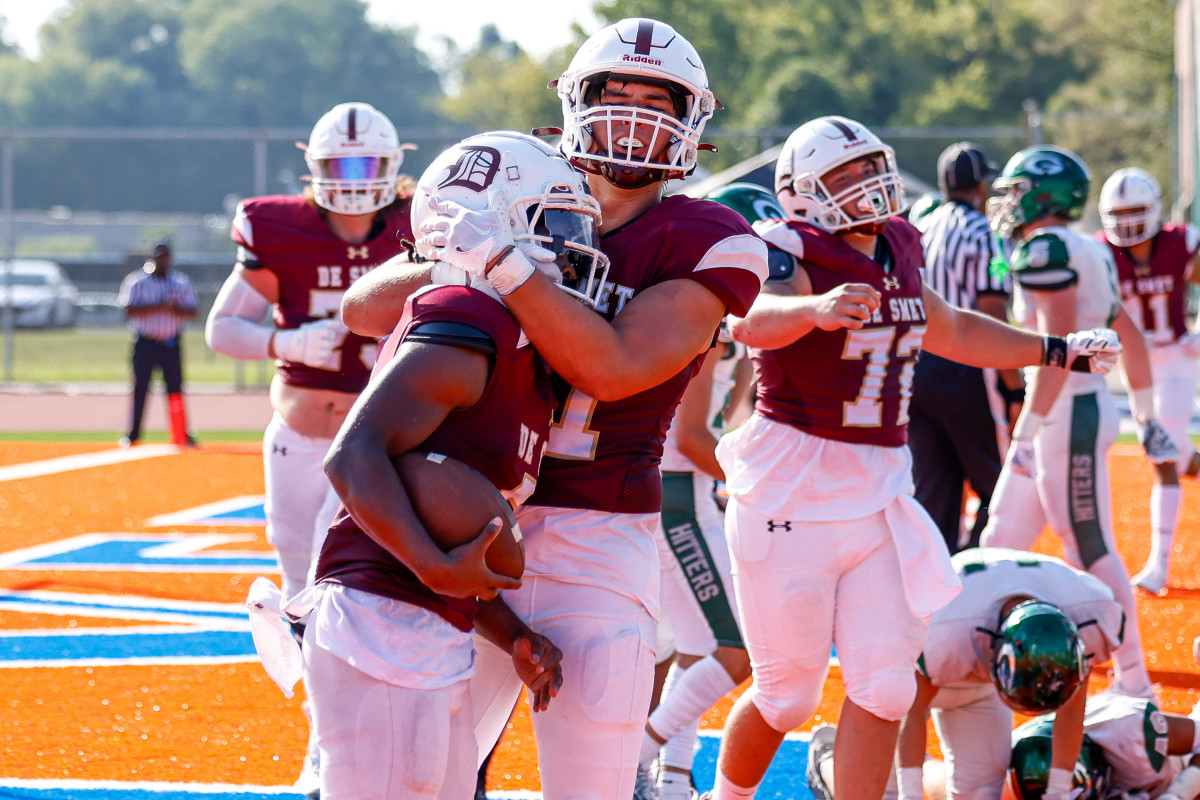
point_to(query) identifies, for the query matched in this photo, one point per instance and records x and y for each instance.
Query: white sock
(650, 745)
(679, 752)
(725, 790)
(701, 685)
(674, 785)
(1164, 511)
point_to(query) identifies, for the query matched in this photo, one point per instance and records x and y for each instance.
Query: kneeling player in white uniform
(1131, 749)
(1022, 635)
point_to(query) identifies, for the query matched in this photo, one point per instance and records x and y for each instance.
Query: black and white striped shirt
(141, 289)
(958, 254)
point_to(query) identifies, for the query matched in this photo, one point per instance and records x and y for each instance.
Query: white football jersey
(1132, 732)
(959, 648)
(1053, 259)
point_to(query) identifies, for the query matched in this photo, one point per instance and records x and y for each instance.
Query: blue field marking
(131, 552)
(246, 510)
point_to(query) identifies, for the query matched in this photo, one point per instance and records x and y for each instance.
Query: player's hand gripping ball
(455, 502)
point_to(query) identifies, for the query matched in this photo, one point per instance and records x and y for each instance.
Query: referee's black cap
(963, 165)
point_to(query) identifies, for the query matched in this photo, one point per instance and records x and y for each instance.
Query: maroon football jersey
(605, 455)
(851, 385)
(314, 267)
(503, 436)
(1156, 294)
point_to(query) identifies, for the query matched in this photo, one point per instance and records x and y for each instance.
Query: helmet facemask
(565, 223)
(354, 157)
(636, 146)
(1005, 212)
(863, 207)
(1130, 207)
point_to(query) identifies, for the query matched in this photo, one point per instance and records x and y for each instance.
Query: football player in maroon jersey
(388, 650)
(296, 256)
(1157, 264)
(828, 544)
(635, 100)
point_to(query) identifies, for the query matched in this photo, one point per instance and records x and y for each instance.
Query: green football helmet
(1038, 182)
(756, 203)
(1030, 766)
(924, 205)
(1038, 662)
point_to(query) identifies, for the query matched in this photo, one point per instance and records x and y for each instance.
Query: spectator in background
(157, 301)
(959, 418)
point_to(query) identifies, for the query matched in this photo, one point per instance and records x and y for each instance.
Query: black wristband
(1054, 352)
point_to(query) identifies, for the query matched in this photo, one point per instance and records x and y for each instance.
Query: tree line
(1103, 69)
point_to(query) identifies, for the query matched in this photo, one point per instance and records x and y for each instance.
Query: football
(455, 502)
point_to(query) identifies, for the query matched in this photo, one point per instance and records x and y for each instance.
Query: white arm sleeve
(234, 326)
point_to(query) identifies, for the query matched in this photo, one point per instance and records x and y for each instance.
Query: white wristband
(910, 783)
(1141, 404)
(1058, 781)
(1028, 424)
(510, 272)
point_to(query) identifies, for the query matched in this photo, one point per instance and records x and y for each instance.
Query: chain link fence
(95, 200)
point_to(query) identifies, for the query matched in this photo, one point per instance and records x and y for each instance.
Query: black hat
(162, 248)
(963, 165)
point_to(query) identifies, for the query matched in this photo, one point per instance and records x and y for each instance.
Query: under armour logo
(772, 525)
(281, 449)
(891, 284)
(353, 252)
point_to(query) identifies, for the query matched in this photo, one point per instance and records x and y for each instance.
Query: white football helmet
(530, 185)
(639, 51)
(1130, 207)
(822, 145)
(354, 156)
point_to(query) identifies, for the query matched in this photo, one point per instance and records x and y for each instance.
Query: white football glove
(1191, 344)
(1098, 347)
(1020, 457)
(314, 344)
(1157, 443)
(477, 242)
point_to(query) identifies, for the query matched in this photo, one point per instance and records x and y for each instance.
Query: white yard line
(53, 466)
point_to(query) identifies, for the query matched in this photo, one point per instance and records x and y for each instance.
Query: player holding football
(1156, 264)
(296, 256)
(389, 651)
(635, 101)
(828, 545)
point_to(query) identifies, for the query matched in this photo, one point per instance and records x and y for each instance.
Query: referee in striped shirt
(157, 301)
(960, 415)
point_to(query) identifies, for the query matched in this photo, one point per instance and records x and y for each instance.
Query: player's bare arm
(785, 311)
(693, 438)
(537, 661)
(633, 353)
(402, 407)
(911, 744)
(375, 302)
(1067, 736)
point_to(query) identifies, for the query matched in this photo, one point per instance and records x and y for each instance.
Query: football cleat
(645, 787)
(820, 751)
(1157, 444)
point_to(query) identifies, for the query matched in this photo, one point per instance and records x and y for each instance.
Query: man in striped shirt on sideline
(157, 301)
(960, 415)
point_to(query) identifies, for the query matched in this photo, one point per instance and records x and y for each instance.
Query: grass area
(101, 355)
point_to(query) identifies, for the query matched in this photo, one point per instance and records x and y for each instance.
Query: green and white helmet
(1038, 182)
(757, 203)
(1038, 663)
(1030, 766)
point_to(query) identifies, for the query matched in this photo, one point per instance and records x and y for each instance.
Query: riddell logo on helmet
(654, 62)
(854, 144)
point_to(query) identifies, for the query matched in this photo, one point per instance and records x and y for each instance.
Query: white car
(39, 292)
